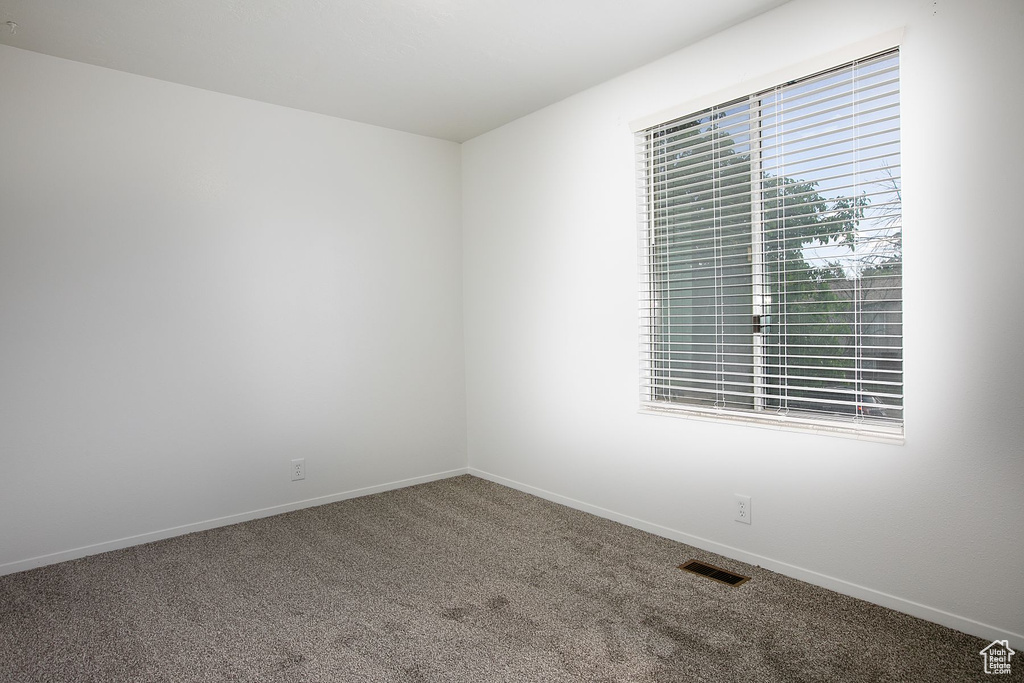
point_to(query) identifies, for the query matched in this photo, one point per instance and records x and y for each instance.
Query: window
(771, 242)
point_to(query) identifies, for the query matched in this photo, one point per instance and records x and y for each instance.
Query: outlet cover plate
(742, 509)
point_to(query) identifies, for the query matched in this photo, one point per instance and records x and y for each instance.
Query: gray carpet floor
(455, 580)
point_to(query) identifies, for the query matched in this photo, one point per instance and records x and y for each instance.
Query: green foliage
(810, 316)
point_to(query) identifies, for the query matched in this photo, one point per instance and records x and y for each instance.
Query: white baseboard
(938, 616)
(139, 539)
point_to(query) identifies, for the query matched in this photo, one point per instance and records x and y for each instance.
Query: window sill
(862, 431)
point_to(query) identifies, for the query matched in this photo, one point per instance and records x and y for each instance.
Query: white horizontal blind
(771, 243)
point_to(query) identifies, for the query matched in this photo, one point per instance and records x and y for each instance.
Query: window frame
(890, 432)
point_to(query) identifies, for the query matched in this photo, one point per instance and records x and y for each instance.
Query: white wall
(196, 288)
(551, 317)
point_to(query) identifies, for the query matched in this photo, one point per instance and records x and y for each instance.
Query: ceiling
(451, 69)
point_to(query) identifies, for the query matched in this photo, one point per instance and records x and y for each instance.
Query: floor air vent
(712, 572)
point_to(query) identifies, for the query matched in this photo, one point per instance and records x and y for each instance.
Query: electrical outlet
(742, 509)
(298, 469)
